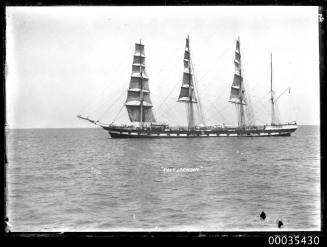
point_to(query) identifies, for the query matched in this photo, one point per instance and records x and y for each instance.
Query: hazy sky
(64, 61)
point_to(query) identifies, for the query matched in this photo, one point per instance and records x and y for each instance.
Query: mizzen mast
(273, 115)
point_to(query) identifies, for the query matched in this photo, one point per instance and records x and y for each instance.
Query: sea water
(82, 180)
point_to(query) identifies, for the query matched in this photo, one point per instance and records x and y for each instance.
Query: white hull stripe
(206, 134)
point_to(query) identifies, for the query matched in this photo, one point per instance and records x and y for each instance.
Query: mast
(237, 94)
(191, 89)
(187, 93)
(141, 94)
(138, 102)
(273, 117)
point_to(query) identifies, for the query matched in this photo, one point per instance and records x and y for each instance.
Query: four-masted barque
(139, 106)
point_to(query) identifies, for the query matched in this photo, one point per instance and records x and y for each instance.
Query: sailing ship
(139, 106)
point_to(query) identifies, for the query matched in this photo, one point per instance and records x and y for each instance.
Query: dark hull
(121, 132)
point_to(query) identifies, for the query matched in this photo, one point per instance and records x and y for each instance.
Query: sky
(65, 61)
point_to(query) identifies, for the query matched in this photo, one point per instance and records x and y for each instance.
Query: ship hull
(120, 132)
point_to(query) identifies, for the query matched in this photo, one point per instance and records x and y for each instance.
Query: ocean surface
(81, 180)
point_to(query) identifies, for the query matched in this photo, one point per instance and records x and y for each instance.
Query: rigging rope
(218, 111)
(170, 109)
(103, 104)
(110, 106)
(199, 105)
(103, 91)
(205, 74)
(115, 118)
(168, 95)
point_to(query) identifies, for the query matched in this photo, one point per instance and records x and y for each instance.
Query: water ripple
(78, 179)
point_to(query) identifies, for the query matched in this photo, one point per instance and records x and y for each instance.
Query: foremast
(188, 93)
(237, 94)
(138, 102)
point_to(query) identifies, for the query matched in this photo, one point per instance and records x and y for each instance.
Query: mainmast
(138, 102)
(187, 93)
(273, 116)
(237, 95)
(141, 91)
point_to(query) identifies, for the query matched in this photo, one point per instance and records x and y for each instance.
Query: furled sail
(138, 102)
(187, 93)
(237, 94)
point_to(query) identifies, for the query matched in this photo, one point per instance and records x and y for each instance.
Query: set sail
(237, 94)
(187, 92)
(138, 102)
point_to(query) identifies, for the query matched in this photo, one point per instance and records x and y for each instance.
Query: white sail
(237, 93)
(187, 92)
(138, 102)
